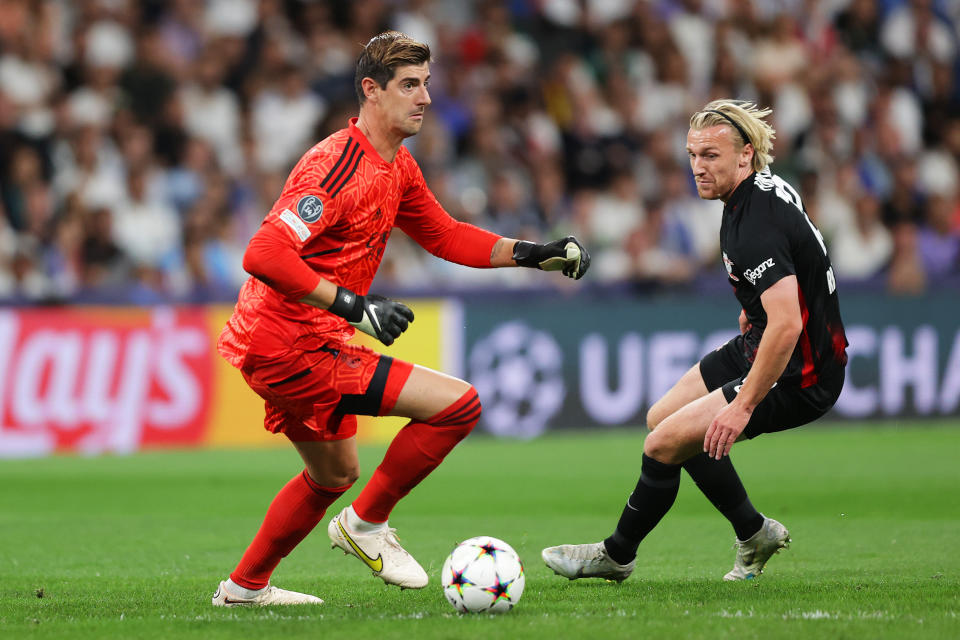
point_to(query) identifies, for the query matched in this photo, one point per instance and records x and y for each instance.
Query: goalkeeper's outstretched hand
(566, 255)
(377, 316)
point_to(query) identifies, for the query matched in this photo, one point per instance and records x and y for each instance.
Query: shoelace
(587, 555)
(391, 537)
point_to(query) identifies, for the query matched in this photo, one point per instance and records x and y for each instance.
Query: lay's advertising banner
(93, 380)
(96, 380)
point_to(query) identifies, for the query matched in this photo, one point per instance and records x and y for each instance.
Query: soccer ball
(483, 574)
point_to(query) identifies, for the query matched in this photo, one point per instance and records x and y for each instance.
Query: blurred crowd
(142, 142)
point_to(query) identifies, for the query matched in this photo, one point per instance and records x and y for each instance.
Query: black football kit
(765, 236)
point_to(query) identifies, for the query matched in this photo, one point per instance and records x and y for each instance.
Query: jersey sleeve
(769, 257)
(304, 209)
(271, 259)
(422, 218)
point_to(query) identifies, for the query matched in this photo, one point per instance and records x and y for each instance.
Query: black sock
(656, 490)
(718, 480)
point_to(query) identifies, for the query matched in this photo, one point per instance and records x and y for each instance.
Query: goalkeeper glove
(566, 255)
(380, 317)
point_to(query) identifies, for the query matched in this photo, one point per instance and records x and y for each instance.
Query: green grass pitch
(133, 547)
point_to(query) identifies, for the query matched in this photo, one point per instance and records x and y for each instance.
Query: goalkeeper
(312, 263)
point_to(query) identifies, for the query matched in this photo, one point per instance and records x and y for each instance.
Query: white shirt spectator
(906, 116)
(693, 35)
(109, 44)
(87, 106)
(213, 114)
(146, 230)
(899, 35)
(862, 247)
(231, 17)
(938, 173)
(90, 167)
(283, 125)
(29, 84)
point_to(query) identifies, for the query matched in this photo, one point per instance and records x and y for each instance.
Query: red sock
(416, 451)
(294, 512)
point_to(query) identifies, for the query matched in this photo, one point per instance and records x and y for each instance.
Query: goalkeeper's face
(718, 166)
(404, 101)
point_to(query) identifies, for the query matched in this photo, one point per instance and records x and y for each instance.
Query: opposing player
(312, 262)
(785, 369)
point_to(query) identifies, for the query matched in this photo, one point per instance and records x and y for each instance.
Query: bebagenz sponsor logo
(752, 275)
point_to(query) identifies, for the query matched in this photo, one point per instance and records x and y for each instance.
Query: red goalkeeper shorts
(315, 394)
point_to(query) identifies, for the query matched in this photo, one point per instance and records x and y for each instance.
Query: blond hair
(383, 54)
(746, 120)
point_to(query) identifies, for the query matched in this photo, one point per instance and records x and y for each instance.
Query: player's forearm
(270, 259)
(322, 296)
(502, 253)
(776, 346)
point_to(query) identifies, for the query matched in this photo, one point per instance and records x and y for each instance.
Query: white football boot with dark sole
(752, 554)
(266, 597)
(585, 561)
(379, 550)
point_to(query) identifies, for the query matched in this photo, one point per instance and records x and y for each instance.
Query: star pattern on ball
(459, 582)
(489, 549)
(500, 590)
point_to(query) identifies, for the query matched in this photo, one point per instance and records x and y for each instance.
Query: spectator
(906, 276)
(211, 110)
(938, 243)
(284, 115)
(552, 115)
(861, 248)
(147, 230)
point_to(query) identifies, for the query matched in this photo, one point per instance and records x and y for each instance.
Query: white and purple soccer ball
(483, 574)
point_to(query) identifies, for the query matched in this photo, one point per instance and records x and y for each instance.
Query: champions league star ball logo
(310, 208)
(518, 373)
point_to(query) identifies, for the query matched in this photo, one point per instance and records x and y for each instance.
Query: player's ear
(746, 155)
(370, 89)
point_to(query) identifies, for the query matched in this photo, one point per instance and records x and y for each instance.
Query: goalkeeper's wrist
(525, 254)
(347, 305)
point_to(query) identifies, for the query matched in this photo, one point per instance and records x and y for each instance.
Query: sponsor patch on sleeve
(755, 274)
(295, 223)
(309, 208)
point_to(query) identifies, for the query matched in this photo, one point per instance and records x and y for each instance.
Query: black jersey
(765, 236)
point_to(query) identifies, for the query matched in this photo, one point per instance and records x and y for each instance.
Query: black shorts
(786, 405)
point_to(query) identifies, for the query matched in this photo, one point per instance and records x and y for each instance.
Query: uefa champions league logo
(309, 208)
(518, 372)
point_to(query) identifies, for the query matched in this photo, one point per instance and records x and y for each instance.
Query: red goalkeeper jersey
(332, 221)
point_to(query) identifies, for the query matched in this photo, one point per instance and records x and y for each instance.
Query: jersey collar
(368, 149)
(740, 193)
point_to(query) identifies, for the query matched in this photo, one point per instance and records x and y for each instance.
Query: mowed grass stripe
(134, 546)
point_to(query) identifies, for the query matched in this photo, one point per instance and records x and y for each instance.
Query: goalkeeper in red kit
(312, 261)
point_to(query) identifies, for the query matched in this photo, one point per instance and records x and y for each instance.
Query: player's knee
(349, 475)
(461, 416)
(340, 474)
(661, 449)
(654, 416)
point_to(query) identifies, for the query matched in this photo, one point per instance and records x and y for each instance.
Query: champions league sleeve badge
(309, 208)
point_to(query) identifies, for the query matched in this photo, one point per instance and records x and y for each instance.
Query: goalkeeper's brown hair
(383, 54)
(747, 124)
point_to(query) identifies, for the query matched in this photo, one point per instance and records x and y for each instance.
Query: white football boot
(379, 550)
(753, 553)
(268, 596)
(585, 561)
